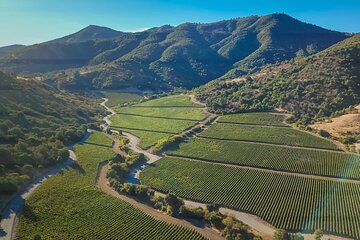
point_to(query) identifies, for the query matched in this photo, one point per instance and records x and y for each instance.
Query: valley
(240, 129)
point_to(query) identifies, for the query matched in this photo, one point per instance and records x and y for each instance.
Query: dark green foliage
(324, 133)
(311, 88)
(195, 213)
(281, 234)
(167, 143)
(36, 122)
(173, 204)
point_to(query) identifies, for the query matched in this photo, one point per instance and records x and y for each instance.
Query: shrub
(324, 133)
(280, 234)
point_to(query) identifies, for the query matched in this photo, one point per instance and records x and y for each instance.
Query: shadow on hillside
(97, 144)
(78, 168)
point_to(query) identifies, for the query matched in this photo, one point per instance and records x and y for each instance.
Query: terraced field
(310, 161)
(288, 202)
(170, 101)
(120, 98)
(194, 114)
(276, 135)
(155, 119)
(69, 206)
(270, 119)
(145, 123)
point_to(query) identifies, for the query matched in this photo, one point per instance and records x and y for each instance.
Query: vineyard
(288, 202)
(276, 135)
(147, 123)
(119, 98)
(194, 114)
(269, 119)
(170, 101)
(158, 118)
(69, 206)
(311, 161)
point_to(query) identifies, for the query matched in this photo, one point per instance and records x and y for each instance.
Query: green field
(194, 114)
(151, 124)
(276, 135)
(170, 101)
(146, 123)
(310, 161)
(70, 206)
(270, 119)
(120, 98)
(288, 202)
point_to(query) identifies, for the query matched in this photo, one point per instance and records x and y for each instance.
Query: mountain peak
(91, 32)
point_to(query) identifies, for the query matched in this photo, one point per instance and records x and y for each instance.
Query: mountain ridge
(165, 57)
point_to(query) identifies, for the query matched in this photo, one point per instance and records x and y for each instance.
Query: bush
(195, 213)
(281, 234)
(324, 133)
(173, 204)
(167, 143)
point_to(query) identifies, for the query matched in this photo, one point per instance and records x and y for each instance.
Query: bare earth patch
(341, 126)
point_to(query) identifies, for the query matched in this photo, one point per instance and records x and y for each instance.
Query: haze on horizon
(36, 21)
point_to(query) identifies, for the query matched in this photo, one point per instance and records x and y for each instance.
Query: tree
(174, 203)
(324, 133)
(281, 234)
(63, 154)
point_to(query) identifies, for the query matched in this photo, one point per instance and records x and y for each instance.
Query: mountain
(8, 49)
(36, 122)
(71, 51)
(186, 56)
(312, 87)
(90, 33)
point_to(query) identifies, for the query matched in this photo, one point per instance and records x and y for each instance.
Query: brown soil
(341, 126)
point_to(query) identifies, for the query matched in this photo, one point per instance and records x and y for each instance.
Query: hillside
(90, 33)
(188, 55)
(71, 51)
(8, 49)
(310, 87)
(36, 122)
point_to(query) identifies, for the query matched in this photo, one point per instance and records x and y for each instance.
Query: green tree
(281, 234)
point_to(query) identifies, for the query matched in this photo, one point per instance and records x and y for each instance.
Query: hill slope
(188, 55)
(90, 33)
(312, 87)
(8, 49)
(36, 122)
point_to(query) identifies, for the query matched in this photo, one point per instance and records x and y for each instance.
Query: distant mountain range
(312, 87)
(164, 57)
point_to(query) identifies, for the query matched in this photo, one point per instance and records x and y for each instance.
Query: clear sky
(34, 21)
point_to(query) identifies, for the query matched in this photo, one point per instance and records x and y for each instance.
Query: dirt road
(101, 182)
(12, 210)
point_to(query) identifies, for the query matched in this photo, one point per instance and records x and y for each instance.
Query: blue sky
(34, 21)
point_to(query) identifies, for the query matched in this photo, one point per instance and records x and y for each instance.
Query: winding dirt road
(10, 214)
(102, 183)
